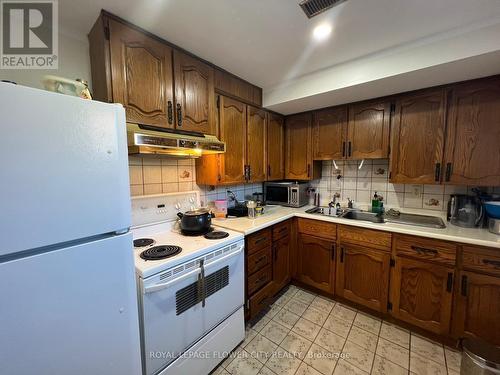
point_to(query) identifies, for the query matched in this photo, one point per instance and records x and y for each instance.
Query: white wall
(74, 62)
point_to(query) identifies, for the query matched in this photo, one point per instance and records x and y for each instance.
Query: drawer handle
(283, 230)
(464, 286)
(262, 300)
(423, 250)
(263, 257)
(449, 282)
(494, 263)
(333, 251)
(260, 240)
(260, 280)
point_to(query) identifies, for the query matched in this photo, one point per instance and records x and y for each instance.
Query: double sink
(391, 216)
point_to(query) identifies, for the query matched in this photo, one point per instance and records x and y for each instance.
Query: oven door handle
(156, 287)
(230, 255)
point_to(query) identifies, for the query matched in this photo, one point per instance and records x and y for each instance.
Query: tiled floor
(306, 334)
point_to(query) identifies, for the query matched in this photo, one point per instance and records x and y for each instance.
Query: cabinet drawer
(318, 228)
(260, 300)
(259, 240)
(426, 249)
(281, 230)
(372, 238)
(481, 259)
(259, 260)
(259, 279)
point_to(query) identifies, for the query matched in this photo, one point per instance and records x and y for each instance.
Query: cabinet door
(363, 276)
(421, 294)
(473, 135)
(298, 159)
(368, 130)
(315, 266)
(256, 144)
(232, 128)
(329, 133)
(141, 70)
(281, 263)
(477, 311)
(194, 94)
(418, 129)
(275, 147)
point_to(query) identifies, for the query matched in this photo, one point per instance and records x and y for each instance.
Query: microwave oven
(291, 194)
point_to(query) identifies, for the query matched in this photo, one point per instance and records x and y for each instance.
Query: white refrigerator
(68, 300)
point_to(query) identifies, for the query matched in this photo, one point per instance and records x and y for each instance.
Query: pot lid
(197, 212)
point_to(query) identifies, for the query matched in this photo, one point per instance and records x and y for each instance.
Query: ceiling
(269, 43)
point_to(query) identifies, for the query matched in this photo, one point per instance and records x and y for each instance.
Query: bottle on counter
(251, 205)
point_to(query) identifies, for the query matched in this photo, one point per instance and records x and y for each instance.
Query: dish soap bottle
(375, 203)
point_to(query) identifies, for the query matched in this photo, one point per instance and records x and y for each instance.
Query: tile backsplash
(156, 176)
(360, 184)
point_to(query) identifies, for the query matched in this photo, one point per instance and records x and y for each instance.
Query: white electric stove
(191, 301)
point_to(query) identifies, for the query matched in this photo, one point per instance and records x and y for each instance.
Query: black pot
(197, 221)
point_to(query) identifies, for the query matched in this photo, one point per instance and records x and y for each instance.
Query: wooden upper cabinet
(359, 287)
(477, 307)
(141, 70)
(472, 154)
(368, 130)
(421, 294)
(228, 84)
(232, 129)
(298, 150)
(256, 144)
(194, 94)
(275, 147)
(417, 138)
(316, 262)
(329, 133)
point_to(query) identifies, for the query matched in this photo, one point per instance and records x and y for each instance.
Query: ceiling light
(322, 31)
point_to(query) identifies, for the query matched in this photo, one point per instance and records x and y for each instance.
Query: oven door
(180, 309)
(277, 194)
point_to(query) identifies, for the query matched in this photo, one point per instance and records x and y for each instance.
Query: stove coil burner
(216, 235)
(195, 234)
(160, 252)
(142, 242)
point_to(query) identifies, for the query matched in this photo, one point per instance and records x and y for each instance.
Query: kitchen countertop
(276, 214)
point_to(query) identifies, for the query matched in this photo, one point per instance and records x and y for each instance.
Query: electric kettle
(465, 210)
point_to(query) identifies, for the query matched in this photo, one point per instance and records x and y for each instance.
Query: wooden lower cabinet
(281, 263)
(267, 266)
(477, 307)
(421, 294)
(363, 276)
(316, 262)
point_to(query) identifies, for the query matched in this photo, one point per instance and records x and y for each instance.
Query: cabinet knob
(464, 286)
(170, 112)
(448, 172)
(449, 282)
(179, 115)
(437, 172)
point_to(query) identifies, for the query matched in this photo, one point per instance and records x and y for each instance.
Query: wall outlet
(416, 191)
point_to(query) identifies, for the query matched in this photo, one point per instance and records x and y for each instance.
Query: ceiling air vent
(314, 7)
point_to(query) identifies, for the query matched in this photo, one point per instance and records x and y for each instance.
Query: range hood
(147, 140)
